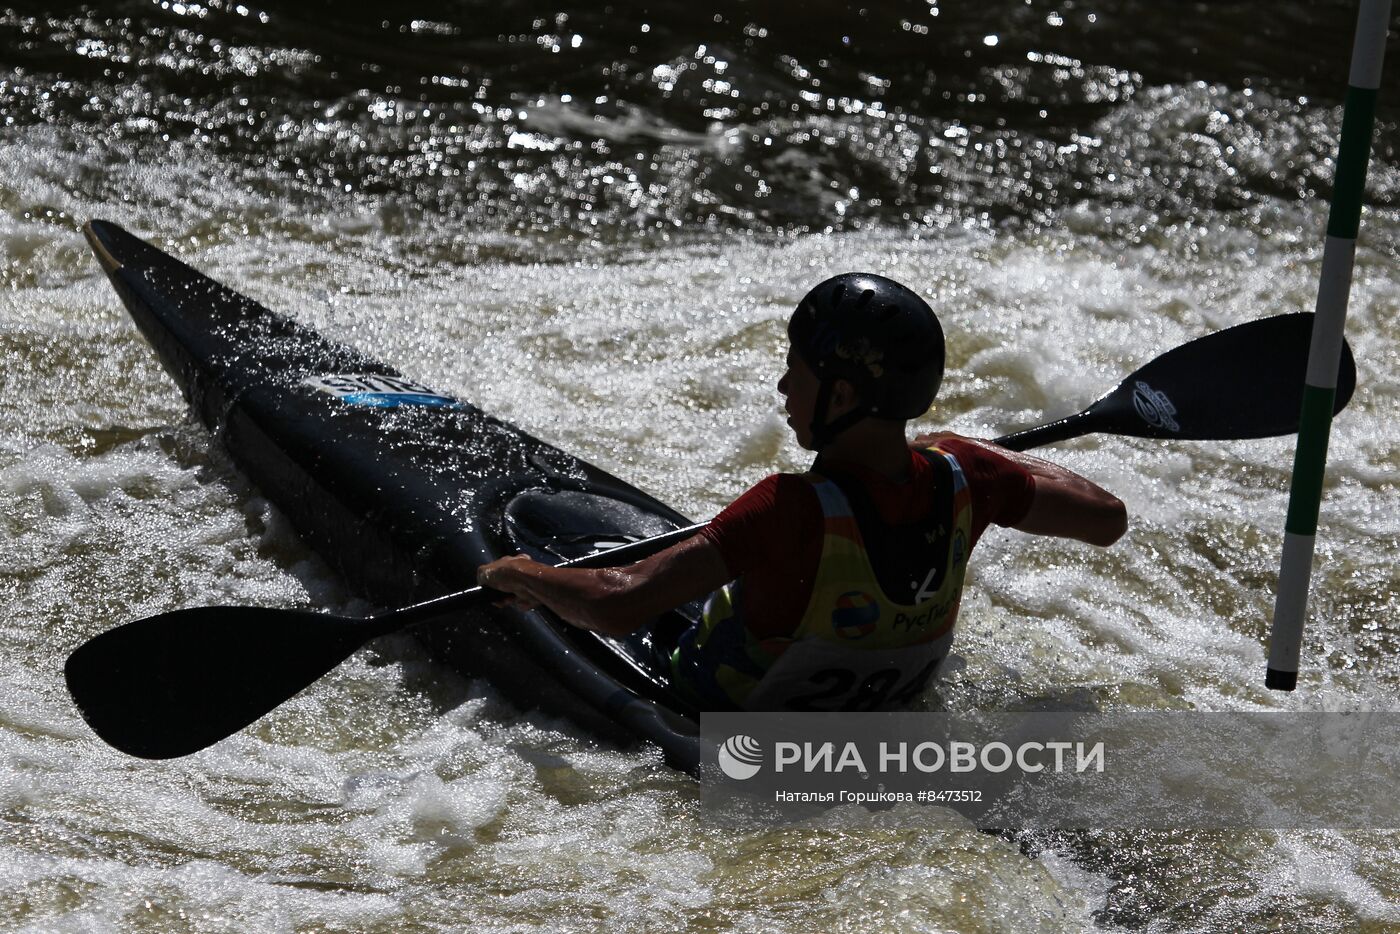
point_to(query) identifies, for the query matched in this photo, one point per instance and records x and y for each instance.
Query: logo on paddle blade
(741, 757)
(1154, 407)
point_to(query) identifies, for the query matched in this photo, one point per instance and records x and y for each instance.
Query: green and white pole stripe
(1324, 354)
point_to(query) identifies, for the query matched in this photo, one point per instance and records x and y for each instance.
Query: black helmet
(880, 336)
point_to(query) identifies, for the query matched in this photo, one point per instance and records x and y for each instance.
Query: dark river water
(627, 121)
(594, 221)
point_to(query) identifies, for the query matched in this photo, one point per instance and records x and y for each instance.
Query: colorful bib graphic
(855, 615)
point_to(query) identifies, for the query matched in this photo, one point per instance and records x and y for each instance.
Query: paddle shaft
(1066, 428)
(455, 602)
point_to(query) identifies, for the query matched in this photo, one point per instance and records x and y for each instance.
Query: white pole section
(1324, 354)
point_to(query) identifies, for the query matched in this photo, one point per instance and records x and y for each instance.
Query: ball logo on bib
(855, 615)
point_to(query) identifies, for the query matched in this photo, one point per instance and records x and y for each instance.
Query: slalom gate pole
(1324, 353)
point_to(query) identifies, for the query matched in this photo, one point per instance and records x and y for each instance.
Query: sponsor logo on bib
(855, 615)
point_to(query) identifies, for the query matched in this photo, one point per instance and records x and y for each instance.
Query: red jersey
(771, 536)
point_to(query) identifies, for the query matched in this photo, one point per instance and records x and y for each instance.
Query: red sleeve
(772, 537)
(1002, 490)
(768, 525)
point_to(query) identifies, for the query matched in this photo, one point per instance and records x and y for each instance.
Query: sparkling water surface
(594, 222)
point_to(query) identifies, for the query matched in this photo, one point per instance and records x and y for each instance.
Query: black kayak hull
(404, 492)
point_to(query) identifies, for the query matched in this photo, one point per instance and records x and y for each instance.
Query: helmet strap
(823, 433)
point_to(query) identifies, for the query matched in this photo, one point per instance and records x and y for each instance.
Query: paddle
(172, 684)
(1243, 382)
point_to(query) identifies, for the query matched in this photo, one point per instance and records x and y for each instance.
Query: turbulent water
(594, 222)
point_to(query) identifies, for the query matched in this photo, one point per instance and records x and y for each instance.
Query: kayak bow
(404, 491)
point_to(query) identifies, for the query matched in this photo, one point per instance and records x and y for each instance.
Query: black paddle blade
(1243, 382)
(173, 684)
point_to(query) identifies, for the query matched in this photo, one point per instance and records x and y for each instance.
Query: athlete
(838, 588)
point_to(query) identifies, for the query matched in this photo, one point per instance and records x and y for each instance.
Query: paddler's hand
(510, 576)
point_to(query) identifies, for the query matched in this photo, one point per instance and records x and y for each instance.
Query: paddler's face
(799, 387)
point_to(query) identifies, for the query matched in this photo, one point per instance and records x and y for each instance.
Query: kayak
(404, 491)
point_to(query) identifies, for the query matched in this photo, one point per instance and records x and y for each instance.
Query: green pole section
(1324, 354)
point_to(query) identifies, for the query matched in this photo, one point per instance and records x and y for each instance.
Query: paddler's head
(862, 346)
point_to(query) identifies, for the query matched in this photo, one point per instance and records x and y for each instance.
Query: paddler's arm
(615, 601)
(1065, 504)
